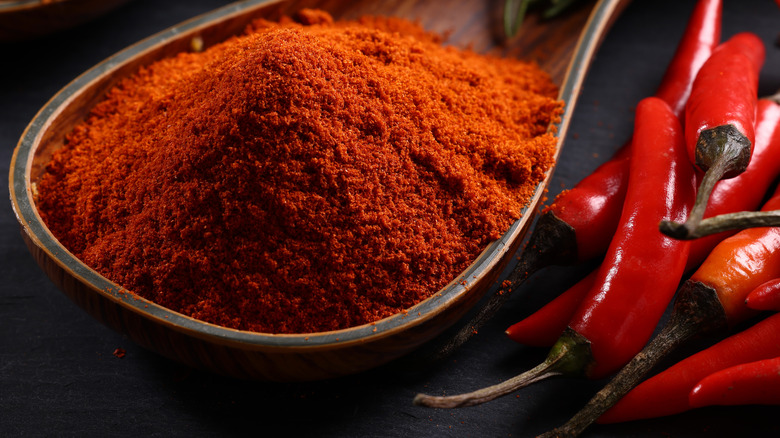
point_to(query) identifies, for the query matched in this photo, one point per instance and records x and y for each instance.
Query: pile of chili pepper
(713, 146)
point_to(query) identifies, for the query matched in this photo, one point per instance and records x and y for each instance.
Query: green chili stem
(570, 356)
(697, 310)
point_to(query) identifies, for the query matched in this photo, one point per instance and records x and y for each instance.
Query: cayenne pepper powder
(308, 175)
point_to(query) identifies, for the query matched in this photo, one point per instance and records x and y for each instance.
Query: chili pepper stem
(736, 221)
(686, 230)
(696, 311)
(724, 152)
(552, 240)
(570, 356)
(483, 395)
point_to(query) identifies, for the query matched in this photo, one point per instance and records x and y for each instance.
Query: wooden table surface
(58, 373)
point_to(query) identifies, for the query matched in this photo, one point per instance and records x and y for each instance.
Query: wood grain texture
(247, 355)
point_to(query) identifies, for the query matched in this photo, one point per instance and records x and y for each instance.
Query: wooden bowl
(563, 46)
(21, 19)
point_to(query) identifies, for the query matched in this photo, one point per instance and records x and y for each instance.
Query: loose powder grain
(308, 175)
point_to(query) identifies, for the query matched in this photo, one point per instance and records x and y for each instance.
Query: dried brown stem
(570, 356)
(552, 241)
(722, 152)
(697, 310)
(736, 221)
(540, 372)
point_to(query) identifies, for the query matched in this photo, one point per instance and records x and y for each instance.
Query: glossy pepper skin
(580, 223)
(667, 392)
(746, 191)
(712, 299)
(620, 313)
(725, 94)
(765, 297)
(588, 214)
(753, 383)
(719, 120)
(740, 264)
(628, 297)
(702, 35)
(590, 210)
(742, 193)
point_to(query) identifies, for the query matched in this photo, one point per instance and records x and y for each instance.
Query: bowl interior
(563, 54)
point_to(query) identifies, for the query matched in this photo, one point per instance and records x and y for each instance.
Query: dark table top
(58, 374)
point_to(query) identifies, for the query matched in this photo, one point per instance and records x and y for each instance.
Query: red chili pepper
(544, 327)
(667, 392)
(754, 383)
(621, 311)
(619, 315)
(744, 192)
(720, 119)
(580, 223)
(702, 35)
(765, 297)
(587, 215)
(711, 300)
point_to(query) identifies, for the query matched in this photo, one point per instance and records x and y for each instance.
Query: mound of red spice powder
(307, 176)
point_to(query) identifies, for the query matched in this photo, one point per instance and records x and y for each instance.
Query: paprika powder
(308, 175)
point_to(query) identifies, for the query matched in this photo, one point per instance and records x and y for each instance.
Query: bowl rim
(24, 207)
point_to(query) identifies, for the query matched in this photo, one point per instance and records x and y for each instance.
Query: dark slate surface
(58, 376)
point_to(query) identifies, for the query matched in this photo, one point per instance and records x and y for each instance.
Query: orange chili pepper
(712, 299)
